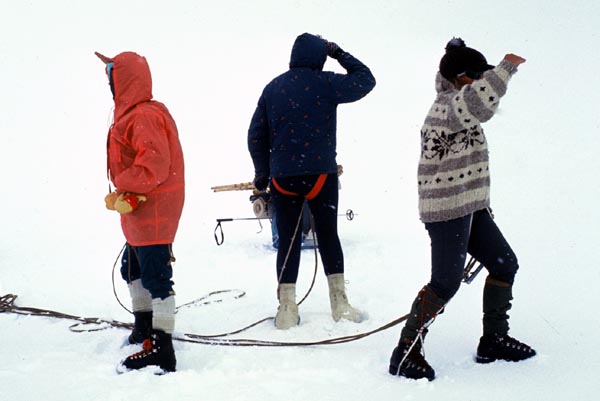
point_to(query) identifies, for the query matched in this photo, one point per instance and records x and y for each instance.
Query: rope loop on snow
(87, 324)
(7, 305)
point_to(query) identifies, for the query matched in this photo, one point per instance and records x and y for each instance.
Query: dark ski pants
(324, 208)
(152, 264)
(304, 225)
(476, 234)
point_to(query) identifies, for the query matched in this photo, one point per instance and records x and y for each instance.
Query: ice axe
(471, 271)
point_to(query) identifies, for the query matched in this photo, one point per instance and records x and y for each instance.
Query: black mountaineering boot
(407, 359)
(410, 363)
(141, 327)
(495, 343)
(502, 346)
(157, 351)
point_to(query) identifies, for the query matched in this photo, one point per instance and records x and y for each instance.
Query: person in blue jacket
(292, 141)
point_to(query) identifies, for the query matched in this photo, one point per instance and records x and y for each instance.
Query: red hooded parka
(144, 154)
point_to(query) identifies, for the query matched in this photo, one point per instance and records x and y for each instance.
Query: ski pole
(219, 227)
(220, 236)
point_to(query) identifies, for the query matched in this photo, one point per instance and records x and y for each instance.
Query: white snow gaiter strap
(163, 314)
(141, 300)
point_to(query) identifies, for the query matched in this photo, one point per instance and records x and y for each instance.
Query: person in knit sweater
(454, 205)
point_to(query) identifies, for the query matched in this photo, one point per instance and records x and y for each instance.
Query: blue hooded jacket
(293, 130)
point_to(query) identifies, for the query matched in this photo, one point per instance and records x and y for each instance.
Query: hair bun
(454, 44)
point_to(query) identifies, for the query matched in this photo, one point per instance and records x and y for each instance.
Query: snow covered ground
(210, 60)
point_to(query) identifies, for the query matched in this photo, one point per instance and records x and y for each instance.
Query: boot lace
(417, 360)
(414, 355)
(512, 343)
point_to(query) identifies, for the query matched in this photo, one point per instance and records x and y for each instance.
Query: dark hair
(459, 58)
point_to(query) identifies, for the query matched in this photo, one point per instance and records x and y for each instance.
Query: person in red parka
(145, 163)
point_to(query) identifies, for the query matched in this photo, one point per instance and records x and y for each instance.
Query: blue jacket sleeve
(258, 140)
(354, 85)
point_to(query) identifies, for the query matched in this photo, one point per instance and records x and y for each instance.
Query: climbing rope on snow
(241, 293)
(92, 324)
(7, 305)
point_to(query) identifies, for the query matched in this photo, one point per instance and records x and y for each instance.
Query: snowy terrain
(210, 61)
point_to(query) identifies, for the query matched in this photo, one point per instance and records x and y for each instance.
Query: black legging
(324, 208)
(476, 234)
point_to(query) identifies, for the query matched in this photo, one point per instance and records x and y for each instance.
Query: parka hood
(309, 51)
(132, 81)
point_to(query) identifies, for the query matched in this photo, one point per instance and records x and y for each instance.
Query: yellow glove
(127, 202)
(110, 200)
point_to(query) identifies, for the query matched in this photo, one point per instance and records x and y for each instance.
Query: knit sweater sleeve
(477, 102)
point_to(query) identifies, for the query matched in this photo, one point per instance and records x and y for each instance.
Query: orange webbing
(281, 190)
(313, 192)
(317, 188)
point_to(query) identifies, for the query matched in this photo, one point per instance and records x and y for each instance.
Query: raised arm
(358, 81)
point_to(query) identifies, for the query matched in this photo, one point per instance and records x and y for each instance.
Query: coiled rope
(7, 305)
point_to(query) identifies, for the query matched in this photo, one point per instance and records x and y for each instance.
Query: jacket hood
(132, 81)
(309, 51)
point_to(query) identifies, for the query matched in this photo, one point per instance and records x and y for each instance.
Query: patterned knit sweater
(453, 174)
